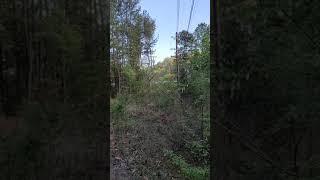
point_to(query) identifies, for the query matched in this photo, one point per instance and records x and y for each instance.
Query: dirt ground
(137, 151)
(119, 168)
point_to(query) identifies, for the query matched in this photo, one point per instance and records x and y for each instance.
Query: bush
(118, 105)
(199, 151)
(119, 112)
(188, 171)
(163, 94)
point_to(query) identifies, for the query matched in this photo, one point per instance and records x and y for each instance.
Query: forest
(159, 112)
(253, 72)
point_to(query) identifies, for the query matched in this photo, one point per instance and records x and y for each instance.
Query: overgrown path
(138, 144)
(119, 167)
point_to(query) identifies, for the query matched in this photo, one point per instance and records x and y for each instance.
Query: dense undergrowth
(187, 170)
(163, 107)
(162, 138)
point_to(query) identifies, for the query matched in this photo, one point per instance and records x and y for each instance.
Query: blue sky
(164, 12)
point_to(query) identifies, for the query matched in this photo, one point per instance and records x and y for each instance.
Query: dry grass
(144, 141)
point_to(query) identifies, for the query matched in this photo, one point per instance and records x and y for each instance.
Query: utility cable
(178, 11)
(190, 15)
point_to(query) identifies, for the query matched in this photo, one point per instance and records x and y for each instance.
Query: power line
(178, 11)
(177, 65)
(190, 14)
(194, 9)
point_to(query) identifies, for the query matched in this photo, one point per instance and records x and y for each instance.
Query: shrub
(118, 105)
(199, 151)
(188, 171)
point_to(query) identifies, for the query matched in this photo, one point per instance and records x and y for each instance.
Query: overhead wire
(192, 6)
(178, 11)
(194, 12)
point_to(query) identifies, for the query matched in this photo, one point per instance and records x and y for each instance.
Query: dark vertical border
(108, 90)
(212, 28)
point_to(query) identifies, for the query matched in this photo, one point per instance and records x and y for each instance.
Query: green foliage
(131, 76)
(118, 105)
(163, 93)
(199, 151)
(155, 87)
(188, 171)
(120, 115)
(206, 122)
(132, 36)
